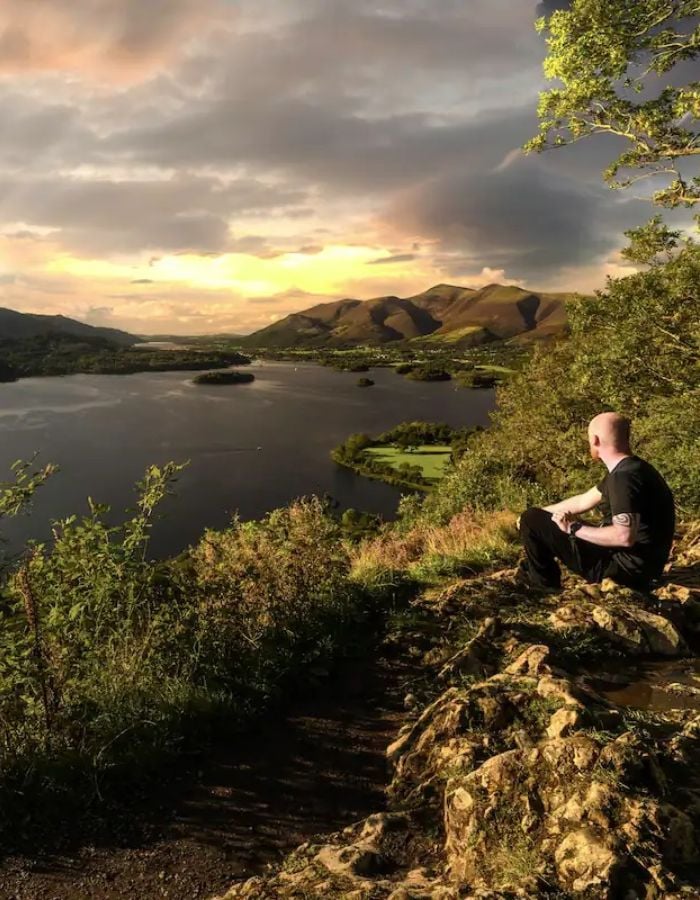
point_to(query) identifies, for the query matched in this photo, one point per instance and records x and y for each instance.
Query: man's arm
(574, 506)
(622, 532)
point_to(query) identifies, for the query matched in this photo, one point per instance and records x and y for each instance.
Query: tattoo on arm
(628, 520)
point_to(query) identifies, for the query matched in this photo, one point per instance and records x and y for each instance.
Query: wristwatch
(574, 527)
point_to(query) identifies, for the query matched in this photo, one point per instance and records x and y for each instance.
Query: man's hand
(564, 521)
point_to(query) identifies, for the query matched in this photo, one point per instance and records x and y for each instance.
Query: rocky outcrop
(518, 777)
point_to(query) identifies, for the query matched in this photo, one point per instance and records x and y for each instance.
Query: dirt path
(315, 770)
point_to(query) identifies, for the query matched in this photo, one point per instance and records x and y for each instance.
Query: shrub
(269, 595)
(106, 658)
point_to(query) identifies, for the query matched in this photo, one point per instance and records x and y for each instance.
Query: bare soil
(241, 805)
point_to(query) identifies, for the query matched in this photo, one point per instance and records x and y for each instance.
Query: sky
(200, 166)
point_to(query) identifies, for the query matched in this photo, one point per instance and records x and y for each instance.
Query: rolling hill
(444, 314)
(17, 326)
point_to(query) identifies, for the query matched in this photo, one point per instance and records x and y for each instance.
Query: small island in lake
(228, 377)
(364, 382)
(414, 455)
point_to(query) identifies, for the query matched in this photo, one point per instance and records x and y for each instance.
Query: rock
(585, 861)
(530, 662)
(509, 796)
(632, 628)
(477, 656)
(559, 689)
(563, 722)
(350, 860)
(658, 635)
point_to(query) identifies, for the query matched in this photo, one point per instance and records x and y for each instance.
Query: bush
(232, 377)
(106, 658)
(269, 596)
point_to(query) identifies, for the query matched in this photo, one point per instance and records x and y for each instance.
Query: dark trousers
(545, 543)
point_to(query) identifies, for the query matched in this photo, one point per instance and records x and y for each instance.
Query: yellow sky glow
(318, 273)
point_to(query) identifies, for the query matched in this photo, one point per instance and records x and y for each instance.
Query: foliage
(477, 380)
(398, 462)
(17, 494)
(227, 377)
(614, 59)
(7, 372)
(105, 657)
(430, 372)
(270, 595)
(651, 244)
(345, 361)
(62, 354)
(356, 524)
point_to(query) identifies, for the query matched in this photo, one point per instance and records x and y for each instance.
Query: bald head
(609, 433)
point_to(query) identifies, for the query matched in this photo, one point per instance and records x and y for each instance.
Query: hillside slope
(525, 768)
(16, 326)
(443, 314)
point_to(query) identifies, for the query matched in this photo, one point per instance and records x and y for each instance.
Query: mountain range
(17, 326)
(444, 314)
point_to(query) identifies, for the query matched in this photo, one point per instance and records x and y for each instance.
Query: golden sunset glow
(324, 272)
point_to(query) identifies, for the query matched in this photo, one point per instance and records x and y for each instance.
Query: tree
(614, 58)
(652, 244)
(404, 442)
(7, 373)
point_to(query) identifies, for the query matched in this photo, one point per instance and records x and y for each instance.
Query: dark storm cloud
(524, 219)
(328, 145)
(386, 91)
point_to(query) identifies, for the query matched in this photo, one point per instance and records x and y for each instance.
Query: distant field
(431, 458)
(502, 370)
(450, 337)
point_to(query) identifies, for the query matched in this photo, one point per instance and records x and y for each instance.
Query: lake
(251, 447)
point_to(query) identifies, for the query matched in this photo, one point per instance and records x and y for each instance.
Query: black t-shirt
(634, 486)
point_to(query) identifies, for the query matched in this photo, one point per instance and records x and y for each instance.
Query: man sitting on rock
(632, 544)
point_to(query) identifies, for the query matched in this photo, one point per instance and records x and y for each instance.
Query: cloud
(547, 7)
(389, 260)
(171, 215)
(550, 222)
(102, 38)
(243, 140)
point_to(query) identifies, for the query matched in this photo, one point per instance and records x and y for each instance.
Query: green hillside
(17, 326)
(444, 314)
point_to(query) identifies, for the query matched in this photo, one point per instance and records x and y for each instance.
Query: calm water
(103, 431)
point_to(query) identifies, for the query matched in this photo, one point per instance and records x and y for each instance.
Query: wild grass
(426, 552)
